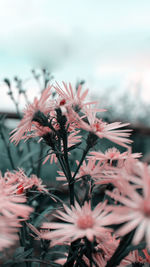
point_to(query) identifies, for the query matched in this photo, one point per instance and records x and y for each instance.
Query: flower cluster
(109, 191)
(13, 211)
(47, 117)
(24, 182)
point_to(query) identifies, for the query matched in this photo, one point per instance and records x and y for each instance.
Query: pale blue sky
(105, 42)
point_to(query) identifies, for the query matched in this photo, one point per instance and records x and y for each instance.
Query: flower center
(85, 221)
(62, 102)
(20, 189)
(98, 126)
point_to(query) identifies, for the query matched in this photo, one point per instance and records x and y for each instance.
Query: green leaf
(27, 157)
(24, 254)
(40, 218)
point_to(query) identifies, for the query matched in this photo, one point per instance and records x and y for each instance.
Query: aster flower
(118, 176)
(73, 98)
(110, 131)
(128, 170)
(11, 203)
(147, 256)
(89, 169)
(23, 182)
(79, 222)
(8, 231)
(113, 154)
(105, 249)
(43, 105)
(133, 169)
(133, 257)
(37, 130)
(135, 212)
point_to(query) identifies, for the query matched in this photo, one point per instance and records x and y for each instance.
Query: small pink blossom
(72, 98)
(114, 154)
(110, 131)
(89, 169)
(135, 212)
(42, 105)
(79, 222)
(11, 203)
(133, 257)
(23, 182)
(8, 231)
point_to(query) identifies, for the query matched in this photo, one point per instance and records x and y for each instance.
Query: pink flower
(23, 182)
(89, 170)
(136, 210)
(43, 105)
(72, 98)
(105, 250)
(37, 130)
(113, 154)
(147, 256)
(109, 131)
(79, 222)
(11, 203)
(128, 170)
(120, 175)
(133, 257)
(52, 158)
(8, 231)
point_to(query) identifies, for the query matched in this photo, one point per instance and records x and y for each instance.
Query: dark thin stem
(15, 103)
(71, 190)
(120, 251)
(61, 161)
(8, 149)
(73, 252)
(89, 251)
(24, 242)
(26, 98)
(82, 159)
(40, 162)
(65, 144)
(69, 178)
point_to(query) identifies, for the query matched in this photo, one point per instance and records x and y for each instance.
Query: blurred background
(104, 43)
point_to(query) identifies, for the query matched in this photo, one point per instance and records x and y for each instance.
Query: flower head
(114, 154)
(10, 202)
(42, 105)
(8, 231)
(72, 98)
(110, 131)
(79, 222)
(135, 210)
(23, 182)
